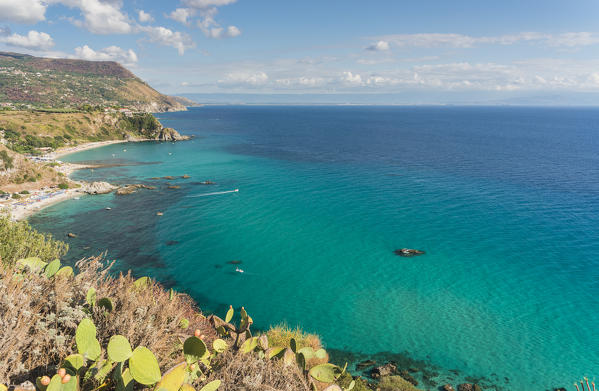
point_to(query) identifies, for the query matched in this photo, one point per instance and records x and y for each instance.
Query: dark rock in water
(185, 176)
(477, 388)
(447, 387)
(172, 242)
(559, 389)
(365, 364)
(174, 187)
(218, 266)
(169, 177)
(384, 370)
(406, 375)
(413, 370)
(234, 262)
(71, 235)
(207, 183)
(466, 387)
(408, 252)
(154, 178)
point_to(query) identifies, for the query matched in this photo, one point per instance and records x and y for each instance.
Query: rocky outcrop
(408, 252)
(169, 134)
(129, 189)
(448, 387)
(466, 387)
(98, 188)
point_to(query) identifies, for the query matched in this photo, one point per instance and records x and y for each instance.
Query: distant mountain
(63, 83)
(186, 101)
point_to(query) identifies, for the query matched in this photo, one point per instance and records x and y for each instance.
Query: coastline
(23, 209)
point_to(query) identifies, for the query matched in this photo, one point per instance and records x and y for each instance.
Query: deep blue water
(505, 202)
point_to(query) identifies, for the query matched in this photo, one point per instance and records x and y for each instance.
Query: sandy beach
(83, 147)
(20, 209)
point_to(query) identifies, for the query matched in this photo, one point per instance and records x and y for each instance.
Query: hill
(65, 83)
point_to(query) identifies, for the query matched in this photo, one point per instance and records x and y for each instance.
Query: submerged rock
(408, 252)
(234, 262)
(71, 235)
(129, 189)
(383, 370)
(168, 177)
(171, 242)
(466, 387)
(448, 387)
(365, 364)
(174, 187)
(185, 176)
(406, 375)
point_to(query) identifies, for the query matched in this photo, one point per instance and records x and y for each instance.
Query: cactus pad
(194, 349)
(85, 338)
(144, 366)
(119, 348)
(212, 386)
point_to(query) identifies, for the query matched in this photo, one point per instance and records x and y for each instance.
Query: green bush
(18, 240)
(16, 196)
(63, 186)
(7, 161)
(24, 192)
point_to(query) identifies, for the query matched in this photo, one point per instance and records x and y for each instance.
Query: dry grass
(281, 335)
(247, 372)
(39, 316)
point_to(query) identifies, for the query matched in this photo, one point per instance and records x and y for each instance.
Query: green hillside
(64, 83)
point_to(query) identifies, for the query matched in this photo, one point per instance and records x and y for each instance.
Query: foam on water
(503, 200)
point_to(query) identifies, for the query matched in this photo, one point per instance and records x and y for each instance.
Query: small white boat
(238, 270)
(236, 190)
(76, 198)
(108, 208)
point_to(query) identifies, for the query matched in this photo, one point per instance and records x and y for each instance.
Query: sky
(426, 51)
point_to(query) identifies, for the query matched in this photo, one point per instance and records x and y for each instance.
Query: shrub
(15, 196)
(24, 192)
(18, 240)
(63, 185)
(6, 160)
(39, 317)
(282, 334)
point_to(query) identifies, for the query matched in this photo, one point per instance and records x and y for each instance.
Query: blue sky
(432, 48)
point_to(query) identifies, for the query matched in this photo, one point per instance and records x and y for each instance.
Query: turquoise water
(503, 200)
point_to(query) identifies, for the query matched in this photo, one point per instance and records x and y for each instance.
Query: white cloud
(233, 31)
(111, 53)
(351, 78)
(167, 37)
(431, 40)
(22, 11)
(207, 3)
(33, 40)
(243, 78)
(181, 15)
(144, 17)
(379, 46)
(100, 17)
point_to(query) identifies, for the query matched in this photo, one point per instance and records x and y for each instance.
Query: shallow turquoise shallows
(505, 202)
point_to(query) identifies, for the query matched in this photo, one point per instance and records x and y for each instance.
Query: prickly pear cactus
(212, 386)
(85, 338)
(144, 366)
(194, 349)
(119, 348)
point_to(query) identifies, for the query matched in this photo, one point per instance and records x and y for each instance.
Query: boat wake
(215, 193)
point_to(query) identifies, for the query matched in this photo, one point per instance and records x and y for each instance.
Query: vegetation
(63, 186)
(67, 331)
(60, 85)
(18, 240)
(6, 160)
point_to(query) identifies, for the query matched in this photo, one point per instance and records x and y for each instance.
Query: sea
(503, 200)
